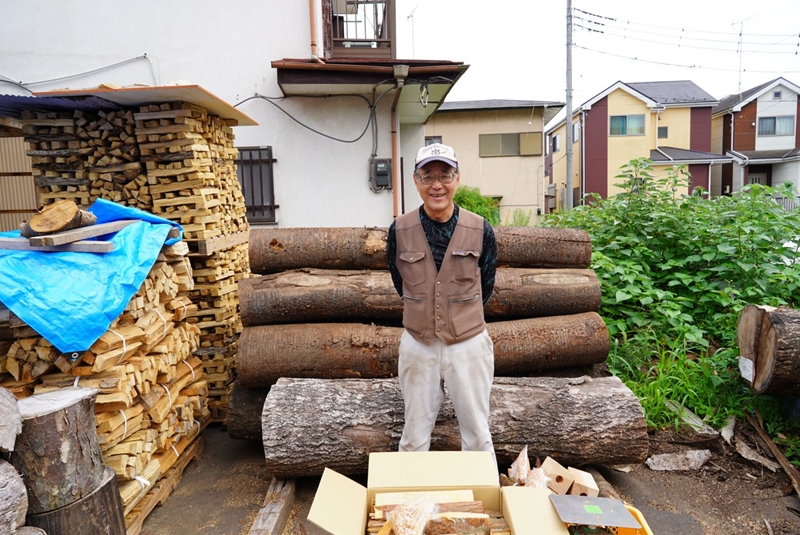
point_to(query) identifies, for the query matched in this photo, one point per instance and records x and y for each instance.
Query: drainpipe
(583, 151)
(312, 16)
(400, 74)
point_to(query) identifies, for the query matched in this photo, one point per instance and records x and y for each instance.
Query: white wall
(227, 48)
(769, 107)
(786, 172)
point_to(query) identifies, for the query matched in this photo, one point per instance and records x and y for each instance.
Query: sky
(516, 49)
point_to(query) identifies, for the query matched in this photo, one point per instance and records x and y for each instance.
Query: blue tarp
(72, 298)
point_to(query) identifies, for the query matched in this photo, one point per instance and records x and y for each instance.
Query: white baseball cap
(436, 152)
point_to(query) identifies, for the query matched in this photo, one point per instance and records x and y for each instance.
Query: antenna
(411, 16)
(741, 33)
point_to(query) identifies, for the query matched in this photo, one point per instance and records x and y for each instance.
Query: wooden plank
(170, 114)
(210, 246)
(272, 517)
(70, 236)
(23, 244)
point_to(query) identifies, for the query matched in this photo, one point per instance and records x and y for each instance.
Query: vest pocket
(465, 266)
(411, 267)
(414, 313)
(466, 313)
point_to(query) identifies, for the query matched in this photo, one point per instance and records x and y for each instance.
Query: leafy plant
(519, 218)
(471, 199)
(676, 270)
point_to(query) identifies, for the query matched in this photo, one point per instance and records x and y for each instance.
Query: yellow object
(645, 529)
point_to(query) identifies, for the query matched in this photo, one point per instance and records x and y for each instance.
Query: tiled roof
(674, 92)
(769, 154)
(732, 100)
(682, 155)
(496, 104)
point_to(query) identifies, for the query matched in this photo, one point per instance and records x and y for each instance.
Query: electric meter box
(381, 173)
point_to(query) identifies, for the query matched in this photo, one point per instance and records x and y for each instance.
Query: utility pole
(568, 143)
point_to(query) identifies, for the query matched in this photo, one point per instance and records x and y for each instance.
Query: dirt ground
(221, 493)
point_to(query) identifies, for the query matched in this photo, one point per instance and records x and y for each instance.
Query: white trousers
(467, 368)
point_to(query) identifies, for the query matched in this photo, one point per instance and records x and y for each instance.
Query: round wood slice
(10, 423)
(57, 452)
(53, 217)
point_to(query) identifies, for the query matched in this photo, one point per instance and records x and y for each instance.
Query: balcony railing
(361, 28)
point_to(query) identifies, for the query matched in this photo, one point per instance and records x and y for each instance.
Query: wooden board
(82, 246)
(78, 234)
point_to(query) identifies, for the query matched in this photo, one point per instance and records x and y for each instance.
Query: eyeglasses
(444, 178)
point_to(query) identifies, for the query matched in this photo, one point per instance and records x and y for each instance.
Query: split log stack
(174, 160)
(769, 338)
(152, 400)
(324, 309)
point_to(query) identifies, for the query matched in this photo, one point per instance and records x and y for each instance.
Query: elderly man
(443, 259)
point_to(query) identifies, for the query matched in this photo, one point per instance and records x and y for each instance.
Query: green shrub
(519, 218)
(676, 270)
(471, 199)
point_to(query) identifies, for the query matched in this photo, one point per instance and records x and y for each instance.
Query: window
(430, 140)
(521, 144)
(576, 132)
(776, 126)
(627, 125)
(777, 95)
(254, 169)
(556, 142)
(663, 132)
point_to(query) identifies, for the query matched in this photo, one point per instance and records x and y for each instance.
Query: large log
(57, 452)
(777, 365)
(244, 409)
(13, 499)
(61, 215)
(315, 295)
(310, 424)
(352, 350)
(98, 513)
(243, 418)
(274, 250)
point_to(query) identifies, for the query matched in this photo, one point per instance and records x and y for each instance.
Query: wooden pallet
(162, 490)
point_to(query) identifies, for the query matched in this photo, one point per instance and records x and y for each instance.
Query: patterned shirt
(439, 235)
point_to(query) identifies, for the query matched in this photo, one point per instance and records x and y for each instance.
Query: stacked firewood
(174, 160)
(325, 318)
(152, 399)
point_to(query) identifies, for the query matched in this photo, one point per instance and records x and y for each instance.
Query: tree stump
(350, 350)
(98, 513)
(10, 422)
(13, 498)
(777, 365)
(318, 295)
(57, 452)
(310, 424)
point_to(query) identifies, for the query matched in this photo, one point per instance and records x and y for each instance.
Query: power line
(680, 65)
(681, 29)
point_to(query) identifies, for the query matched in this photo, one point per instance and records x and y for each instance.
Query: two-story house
(339, 116)
(759, 129)
(668, 122)
(500, 149)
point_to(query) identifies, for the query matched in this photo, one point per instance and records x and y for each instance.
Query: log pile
(152, 395)
(333, 326)
(177, 161)
(769, 338)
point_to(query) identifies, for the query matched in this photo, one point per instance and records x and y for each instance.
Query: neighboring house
(339, 117)
(500, 149)
(759, 129)
(668, 122)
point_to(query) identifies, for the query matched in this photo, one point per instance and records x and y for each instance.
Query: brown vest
(446, 304)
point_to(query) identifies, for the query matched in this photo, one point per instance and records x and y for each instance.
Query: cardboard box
(341, 506)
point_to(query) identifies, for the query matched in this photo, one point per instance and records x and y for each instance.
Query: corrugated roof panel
(13, 105)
